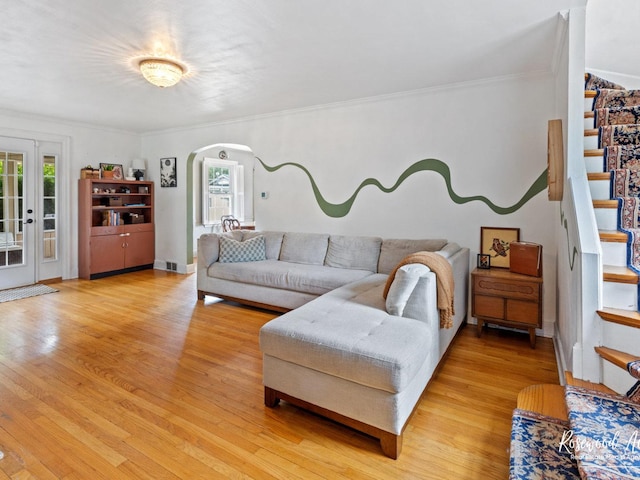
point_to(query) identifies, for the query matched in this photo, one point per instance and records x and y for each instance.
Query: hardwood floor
(132, 377)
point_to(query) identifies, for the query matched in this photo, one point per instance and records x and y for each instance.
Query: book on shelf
(110, 218)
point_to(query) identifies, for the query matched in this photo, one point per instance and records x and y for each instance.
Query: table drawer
(523, 312)
(486, 306)
(507, 288)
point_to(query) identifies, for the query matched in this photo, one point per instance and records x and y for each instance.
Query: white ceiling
(72, 59)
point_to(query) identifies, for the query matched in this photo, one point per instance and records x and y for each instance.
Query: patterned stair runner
(617, 118)
(622, 156)
(593, 82)
(611, 135)
(608, 98)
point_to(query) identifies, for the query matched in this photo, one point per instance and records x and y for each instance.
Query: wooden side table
(509, 299)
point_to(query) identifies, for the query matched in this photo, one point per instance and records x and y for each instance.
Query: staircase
(621, 320)
(586, 431)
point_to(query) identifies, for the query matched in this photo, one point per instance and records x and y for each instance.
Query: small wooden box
(526, 258)
(90, 173)
(111, 201)
(133, 218)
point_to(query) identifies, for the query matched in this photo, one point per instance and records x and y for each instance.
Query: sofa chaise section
(345, 357)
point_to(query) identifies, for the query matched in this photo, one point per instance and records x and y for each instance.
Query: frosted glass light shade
(161, 72)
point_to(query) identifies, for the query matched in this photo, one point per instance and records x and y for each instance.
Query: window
(223, 190)
(49, 208)
(11, 202)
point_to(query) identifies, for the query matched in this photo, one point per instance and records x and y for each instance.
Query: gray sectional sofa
(342, 350)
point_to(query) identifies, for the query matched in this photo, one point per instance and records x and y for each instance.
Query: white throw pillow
(402, 286)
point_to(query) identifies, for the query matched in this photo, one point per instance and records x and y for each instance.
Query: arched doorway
(190, 188)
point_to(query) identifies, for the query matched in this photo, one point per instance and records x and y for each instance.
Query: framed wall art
(496, 242)
(168, 176)
(111, 170)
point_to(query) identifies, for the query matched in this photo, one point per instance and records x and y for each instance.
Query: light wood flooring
(132, 377)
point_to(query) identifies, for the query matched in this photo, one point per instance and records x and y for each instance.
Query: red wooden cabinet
(116, 231)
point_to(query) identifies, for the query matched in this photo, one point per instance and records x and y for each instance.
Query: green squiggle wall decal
(337, 210)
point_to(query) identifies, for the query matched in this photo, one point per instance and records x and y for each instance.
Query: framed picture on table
(496, 243)
(484, 261)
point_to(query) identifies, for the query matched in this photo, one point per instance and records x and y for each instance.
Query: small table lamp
(138, 168)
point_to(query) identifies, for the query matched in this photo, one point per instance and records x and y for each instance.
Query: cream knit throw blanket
(444, 282)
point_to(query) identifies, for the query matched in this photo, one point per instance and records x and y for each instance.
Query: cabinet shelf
(119, 207)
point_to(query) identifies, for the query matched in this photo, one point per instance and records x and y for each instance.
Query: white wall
(491, 134)
(88, 145)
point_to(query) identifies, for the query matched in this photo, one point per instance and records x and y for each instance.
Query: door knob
(29, 220)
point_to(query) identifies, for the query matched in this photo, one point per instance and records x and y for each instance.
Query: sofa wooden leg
(271, 397)
(201, 295)
(391, 445)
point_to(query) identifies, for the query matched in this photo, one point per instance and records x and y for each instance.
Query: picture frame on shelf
(168, 174)
(496, 243)
(484, 261)
(111, 167)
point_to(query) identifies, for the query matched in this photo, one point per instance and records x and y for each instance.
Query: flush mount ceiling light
(161, 72)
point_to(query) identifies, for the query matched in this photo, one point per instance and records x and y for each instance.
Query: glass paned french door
(17, 232)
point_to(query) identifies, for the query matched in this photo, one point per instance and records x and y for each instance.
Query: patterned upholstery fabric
(251, 250)
(538, 450)
(605, 434)
(634, 369)
(634, 393)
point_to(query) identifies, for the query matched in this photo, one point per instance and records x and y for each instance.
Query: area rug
(625, 183)
(536, 451)
(622, 156)
(608, 98)
(25, 292)
(593, 82)
(616, 116)
(610, 135)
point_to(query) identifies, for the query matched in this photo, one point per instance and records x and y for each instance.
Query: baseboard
(560, 360)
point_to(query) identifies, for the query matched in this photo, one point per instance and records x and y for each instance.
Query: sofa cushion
(272, 241)
(209, 244)
(360, 253)
(251, 250)
(348, 334)
(394, 250)
(308, 248)
(313, 279)
(402, 287)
